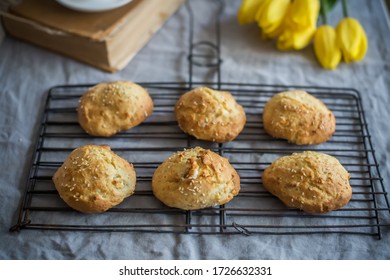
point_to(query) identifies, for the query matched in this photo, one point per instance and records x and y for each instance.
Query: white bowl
(93, 5)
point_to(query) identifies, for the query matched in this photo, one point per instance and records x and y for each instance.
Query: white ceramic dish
(93, 5)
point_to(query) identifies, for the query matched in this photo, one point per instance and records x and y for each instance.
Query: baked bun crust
(298, 117)
(195, 179)
(93, 179)
(210, 115)
(311, 181)
(109, 108)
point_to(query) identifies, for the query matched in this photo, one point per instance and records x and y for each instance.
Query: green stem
(323, 11)
(345, 8)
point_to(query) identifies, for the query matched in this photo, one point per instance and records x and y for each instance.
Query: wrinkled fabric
(27, 72)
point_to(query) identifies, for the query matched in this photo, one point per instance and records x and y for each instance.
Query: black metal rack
(253, 211)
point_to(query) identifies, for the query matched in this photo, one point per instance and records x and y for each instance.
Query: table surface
(27, 72)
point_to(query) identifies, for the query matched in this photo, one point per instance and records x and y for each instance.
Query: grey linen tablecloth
(27, 72)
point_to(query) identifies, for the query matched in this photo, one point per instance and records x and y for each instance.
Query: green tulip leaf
(327, 5)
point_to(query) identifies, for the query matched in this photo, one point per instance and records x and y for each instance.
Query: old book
(107, 40)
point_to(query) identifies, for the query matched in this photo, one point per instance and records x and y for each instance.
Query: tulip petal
(326, 47)
(247, 12)
(295, 40)
(352, 39)
(285, 41)
(270, 16)
(299, 25)
(303, 38)
(362, 48)
(303, 13)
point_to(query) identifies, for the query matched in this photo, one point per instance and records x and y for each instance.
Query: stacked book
(107, 40)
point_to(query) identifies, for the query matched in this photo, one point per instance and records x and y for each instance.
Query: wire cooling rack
(254, 210)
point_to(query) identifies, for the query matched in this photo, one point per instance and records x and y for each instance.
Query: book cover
(107, 40)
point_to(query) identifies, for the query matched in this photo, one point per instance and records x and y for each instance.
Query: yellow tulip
(326, 47)
(299, 25)
(303, 14)
(295, 40)
(270, 16)
(352, 39)
(247, 12)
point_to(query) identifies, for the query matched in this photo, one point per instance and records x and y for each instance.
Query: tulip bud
(270, 16)
(247, 12)
(299, 25)
(295, 40)
(303, 14)
(326, 47)
(352, 39)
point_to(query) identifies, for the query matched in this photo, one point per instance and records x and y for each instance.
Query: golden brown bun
(195, 179)
(93, 179)
(311, 181)
(210, 115)
(108, 108)
(298, 117)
